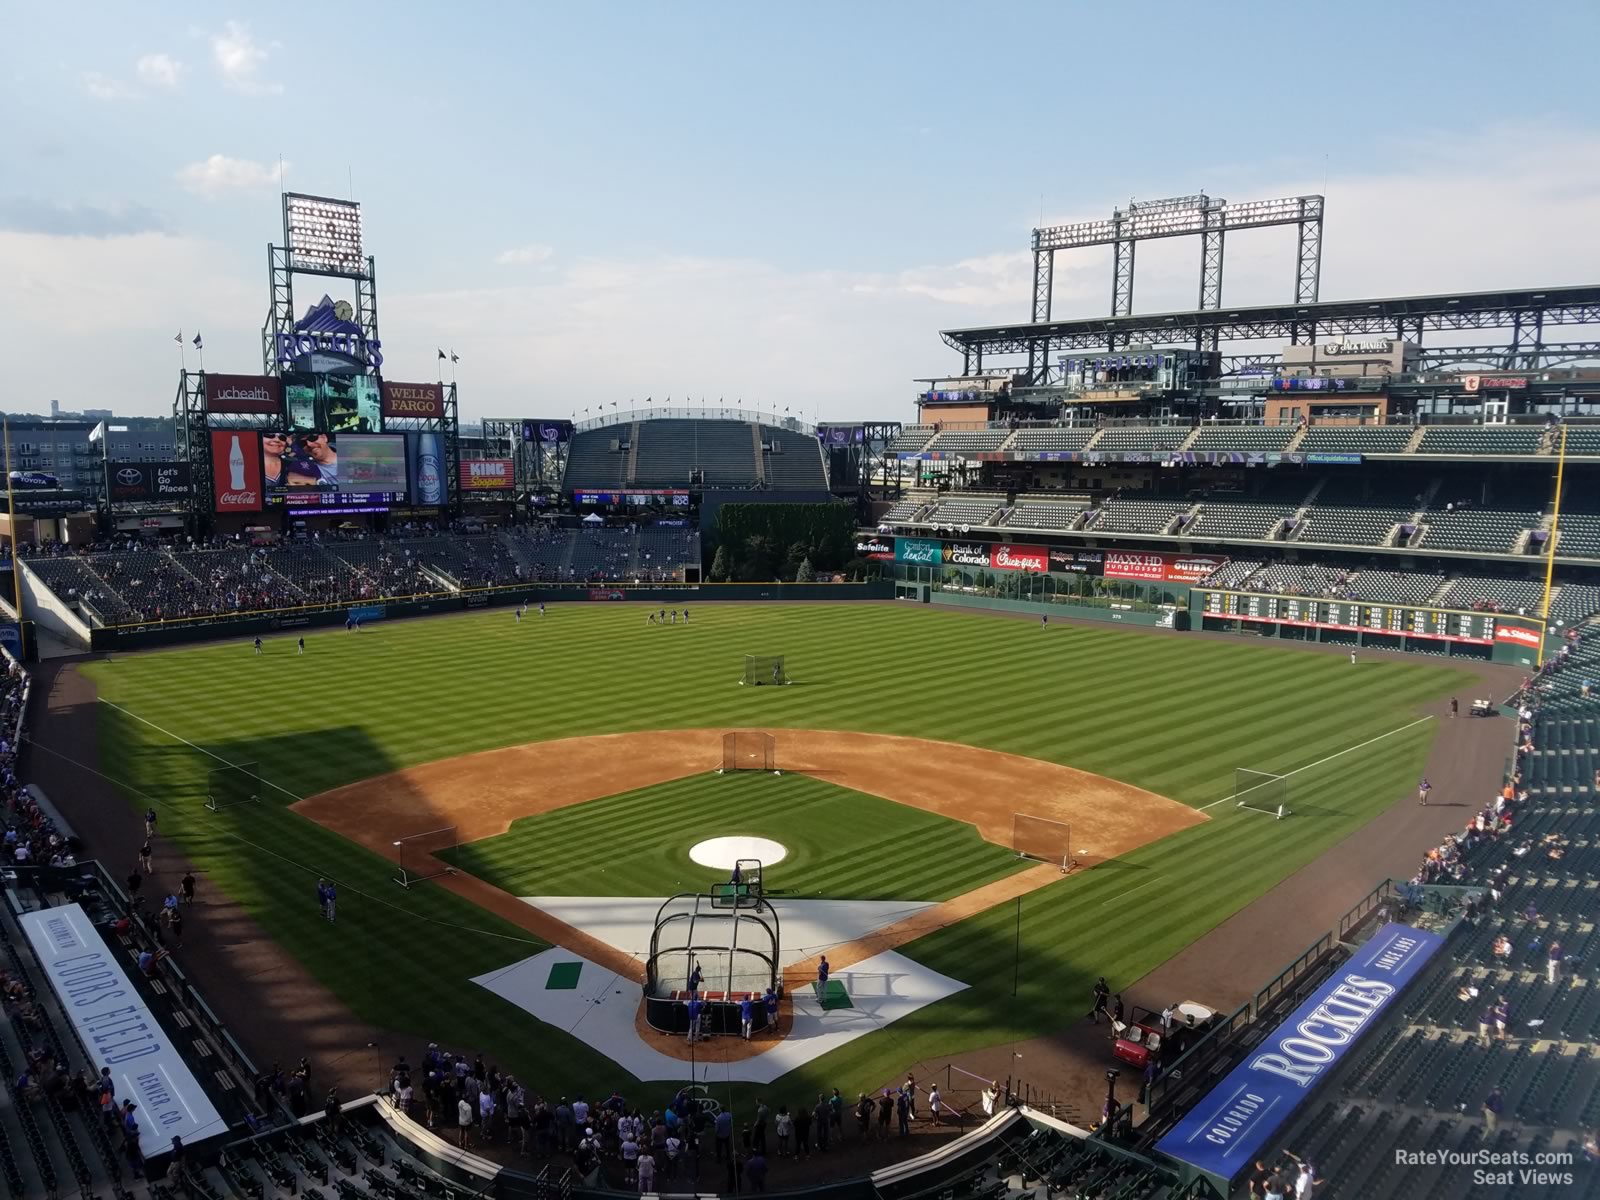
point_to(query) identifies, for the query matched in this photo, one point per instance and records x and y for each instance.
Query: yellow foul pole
(11, 521)
(1550, 549)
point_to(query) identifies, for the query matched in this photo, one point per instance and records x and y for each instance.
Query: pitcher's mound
(724, 853)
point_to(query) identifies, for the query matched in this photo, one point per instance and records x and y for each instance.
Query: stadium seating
(958, 511)
(1395, 587)
(667, 450)
(591, 463)
(1578, 536)
(1583, 440)
(663, 551)
(1574, 602)
(1131, 515)
(1053, 439)
(1481, 439)
(961, 441)
(798, 466)
(71, 578)
(910, 439)
(905, 510)
(1485, 530)
(1501, 595)
(602, 555)
(1244, 437)
(1231, 574)
(1299, 579)
(1055, 514)
(1350, 526)
(1133, 438)
(1230, 520)
(1355, 439)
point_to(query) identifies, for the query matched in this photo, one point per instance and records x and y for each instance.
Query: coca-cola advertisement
(1159, 567)
(236, 470)
(1004, 557)
(243, 394)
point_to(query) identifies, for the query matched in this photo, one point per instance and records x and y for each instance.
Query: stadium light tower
(1200, 215)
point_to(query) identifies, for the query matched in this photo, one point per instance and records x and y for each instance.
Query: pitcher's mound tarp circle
(723, 853)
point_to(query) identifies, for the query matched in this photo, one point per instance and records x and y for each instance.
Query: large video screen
(352, 403)
(300, 395)
(319, 468)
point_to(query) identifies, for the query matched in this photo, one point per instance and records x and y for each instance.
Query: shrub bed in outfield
(1170, 713)
(842, 844)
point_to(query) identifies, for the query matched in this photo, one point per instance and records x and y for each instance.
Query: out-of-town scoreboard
(1441, 624)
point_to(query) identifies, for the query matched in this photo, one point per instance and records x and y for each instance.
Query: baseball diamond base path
(482, 794)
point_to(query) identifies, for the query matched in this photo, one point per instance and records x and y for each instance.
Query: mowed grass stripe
(1165, 712)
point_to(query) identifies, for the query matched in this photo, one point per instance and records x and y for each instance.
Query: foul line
(1320, 761)
(177, 738)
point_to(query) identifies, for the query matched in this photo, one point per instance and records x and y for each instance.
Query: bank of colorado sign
(1233, 1124)
(965, 554)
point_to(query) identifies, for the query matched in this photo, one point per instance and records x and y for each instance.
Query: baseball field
(571, 755)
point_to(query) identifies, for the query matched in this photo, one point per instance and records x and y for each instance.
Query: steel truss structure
(1206, 217)
(1524, 313)
(539, 465)
(283, 266)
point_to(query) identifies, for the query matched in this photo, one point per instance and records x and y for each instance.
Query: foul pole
(1550, 550)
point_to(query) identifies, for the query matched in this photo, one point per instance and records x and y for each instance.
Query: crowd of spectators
(688, 1143)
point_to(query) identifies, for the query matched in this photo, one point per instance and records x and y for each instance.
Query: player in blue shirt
(770, 1000)
(694, 1016)
(747, 1016)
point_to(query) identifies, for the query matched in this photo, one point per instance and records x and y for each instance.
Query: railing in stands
(700, 412)
(1312, 954)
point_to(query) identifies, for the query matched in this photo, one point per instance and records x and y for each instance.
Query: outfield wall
(249, 625)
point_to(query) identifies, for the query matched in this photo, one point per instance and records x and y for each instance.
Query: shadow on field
(393, 959)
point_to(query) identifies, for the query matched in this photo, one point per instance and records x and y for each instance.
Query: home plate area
(599, 1007)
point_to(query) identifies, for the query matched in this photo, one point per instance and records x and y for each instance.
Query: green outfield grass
(841, 844)
(1167, 712)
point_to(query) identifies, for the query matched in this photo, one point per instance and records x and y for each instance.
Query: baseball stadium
(1163, 766)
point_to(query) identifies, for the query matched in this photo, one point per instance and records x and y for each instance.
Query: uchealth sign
(916, 550)
(876, 548)
(122, 1033)
(413, 399)
(1159, 567)
(1237, 1119)
(243, 394)
(1005, 557)
(236, 470)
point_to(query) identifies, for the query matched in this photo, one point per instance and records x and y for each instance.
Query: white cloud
(240, 58)
(103, 87)
(519, 256)
(158, 70)
(219, 174)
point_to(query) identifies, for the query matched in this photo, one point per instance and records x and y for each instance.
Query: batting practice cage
(762, 669)
(234, 784)
(748, 750)
(415, 856)
(1042, 838)
(1261, 791)
(727, 951)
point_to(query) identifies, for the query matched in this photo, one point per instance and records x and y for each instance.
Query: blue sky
(777, 203)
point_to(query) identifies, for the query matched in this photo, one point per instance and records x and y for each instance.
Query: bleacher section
(969, 441)
(905, 510)
(1583, 440)
(1138, 516)
(910, 439)
(1501, 595)
(1143, 437)
(798, 465)
(1053, 439)
(1055, 514)
(1484, 530)
(1497, 440)
(1578, 536)
(1355, 439)
(591, 463)
(1574, 602)
(1230, 520)
(956, 512)
(1232, 574)
(1298, 579)
(669, 449)
(1350, 526)
(1244, 438)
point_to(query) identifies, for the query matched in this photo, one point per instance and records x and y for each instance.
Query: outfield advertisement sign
(877, 548)
(917, 550)
(1019, 558)
(1158, 567)
(1233, 1124)
(964, 554)
(120, 1030)
(1078, 562)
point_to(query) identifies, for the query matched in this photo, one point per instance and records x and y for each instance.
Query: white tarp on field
(119, 1030)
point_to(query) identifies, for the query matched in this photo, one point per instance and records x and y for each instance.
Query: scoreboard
(1442, 624)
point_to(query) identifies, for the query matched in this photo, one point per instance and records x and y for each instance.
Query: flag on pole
(441, 355)
(455, 358)
(179, 337)
(198, 344)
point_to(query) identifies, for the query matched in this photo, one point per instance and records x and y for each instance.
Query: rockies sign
(147, 481)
